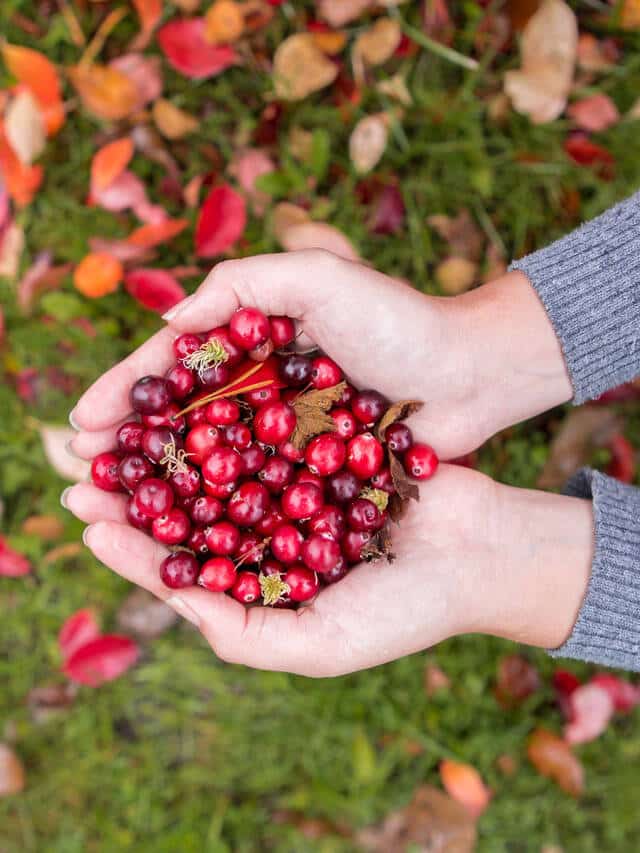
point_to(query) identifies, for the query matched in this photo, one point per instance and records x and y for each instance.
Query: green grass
(184, 752)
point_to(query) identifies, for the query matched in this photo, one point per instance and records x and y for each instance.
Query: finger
(86, 445)
(91, 504)
(106, 402)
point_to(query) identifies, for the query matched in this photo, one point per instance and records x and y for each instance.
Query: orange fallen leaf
(224, 22)
(340, 12)
(11, 772)
(301, 68)
(109, 162)
(330, 42)
(97, 274)
(464, 784)
(44, 527)
(22, 181)
(149, 13)
(286, 215)
(378, 43)
(171, 121)
(552, 757)
(105, 91)
(456, 275)
(630, 17)
(148, 236)
(39, 75)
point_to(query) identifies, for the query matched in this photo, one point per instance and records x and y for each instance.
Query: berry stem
(273, 588)
(224, 391)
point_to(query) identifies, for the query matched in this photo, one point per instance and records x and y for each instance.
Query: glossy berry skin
(352, 544)
(342, 487)
(345, 423)
(286, 543)
(290, 452)
(369, 406)
(136, 518)
(295, 370)
(222, 538)
(272, 518)
(273, 423)
(253, 459)
(185, 483)
(302, 500)
(186, 344)
(222, 412)
(222, 491)
(336, 574)
(282, 331)
(248, 328)
(248, 504)
(238, 436)
(303, 583)
(169, 417)
(201, 441)
(197, 541)
(271, 567)
(195, 417)
(320, 554)
(171, 528)
(222, 465)
(325, 373)
(206, 510)
(235, 353)
(129, 437)
(364, 455)
(347, 396)
(153, 497)
(104, 472)
(328, 522)
(261, 396)
(156, 439)
(215, 377)
(276, 474)
(246, 588)
(149, 395)
(180, 381)
(179, 570)
(325, 454)
(133, 469)
(363, 515)
(398, 437)
(383, 480)
(217, 575)
(420, 461)
(304, 475)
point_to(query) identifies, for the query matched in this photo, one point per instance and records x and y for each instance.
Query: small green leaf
(320, 153)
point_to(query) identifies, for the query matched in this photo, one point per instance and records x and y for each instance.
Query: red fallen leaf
(552, 757)
(157, 290)
(584, 152)
(12, 564)
(184, 45)
(387, 212)
(595, 113)
(624, 695)
(150, 214)
(144, 72)
(247, 166)
(621, 394)
(517, 679)
(109, 162)
(564, 683)
(79, 629)
(623, 463)
(126, 191)
(149, 236)
(221, 222)
(591, 708)
(266, 132)
(464, 784)
(39, 75)
(101, 660)
(123, 250)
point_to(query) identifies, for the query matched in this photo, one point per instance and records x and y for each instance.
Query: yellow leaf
(301, 68)
(173, 122)
(455, 275)
(630, 18)
(378, 43)
(224, 22)
(105, 91)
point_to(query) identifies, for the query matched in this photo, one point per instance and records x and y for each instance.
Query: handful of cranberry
(264, 471)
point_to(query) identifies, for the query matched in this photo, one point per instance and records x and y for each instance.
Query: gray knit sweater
(589, 283)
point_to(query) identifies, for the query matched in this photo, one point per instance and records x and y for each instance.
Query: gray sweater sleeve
(589, 283)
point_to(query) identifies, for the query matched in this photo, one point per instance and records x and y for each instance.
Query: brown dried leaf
(517, 679)
(397, 412)
(50, 700)
(552, 757)
(464, 238)
(145, 616)
(11, 772)
(582, 430)
(106, 92)
(456, 275)
(406, 490)
(285, 217)
(46, 527)
(171, 121)
(368, 142)
(301, 68)
(378, 43)
(379, 546)
(506, 764)
(62, 552)
(311, 413)
(339, 12)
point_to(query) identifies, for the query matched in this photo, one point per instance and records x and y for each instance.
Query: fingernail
(69, 448)
(177, 309)
(85, 535)
(63, 497)
(72, 420)
(183, 609)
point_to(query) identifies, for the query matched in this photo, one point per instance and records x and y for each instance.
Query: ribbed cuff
(589, 283)
(607, 630)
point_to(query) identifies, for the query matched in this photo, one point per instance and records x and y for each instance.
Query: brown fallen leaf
(66, 551)
(312, 416)
(516, 680)
(301, 68)
(11, 247)
(224, 22)
(435, 680)
(105, 91)
(368, 142)
(172, 122)
(630, 17)
(45, 527)
(506, 764)
(12, 776)
(379, 546)
(581, 431)
(462, 235)
(397, 412)
(406, 489)
(456, 275)
(375, 46)
(339, 12)
(286, 216)
(464, 784)
(145, 616)
(50, 700)
(552, 757)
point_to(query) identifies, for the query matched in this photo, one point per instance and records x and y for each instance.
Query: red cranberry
(235, 353)
(342, 487)
(133, 469)
(283, 331)
(150, 395)
(246, 588)
(345, 423)
(290, 452)
(104, 472)
(337, 572)
(197, 541)
(271, 567)
(304, 475)
(129, 437)
(248, 504)
(276, 474)
(364, 455)
(171, 528)
(137, 518)
(186, 344)
(157, 440)
(347, 396)
(222, 412)
(218, 574)
(153, 497)
(180, 381)
(325, 454)
(222, 491)
(286, 543)
(253, 458)
(352, 544)
(238, 436)
(364, 515)
(288, 395)
(222, 465)
(196, 417)
(248, 328)
(274, 422)
(206, 510)
(169, 417)
(185, 483)
(383, 480)
(320, 554)
(328, 522)
(398, 437)
(303, 583)
(369, 406)
(222, 538)
(295, 370)
(262, 352)
(302, 500)
(263, 395)
(250, 550)
(215, 376)
(272, 518)
(420, 461)
(325, 373)
(179, 570)
(201, 441)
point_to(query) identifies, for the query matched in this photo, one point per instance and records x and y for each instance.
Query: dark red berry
(206, 510)
(201, 441)
(272, 518)
(369, 406)
(286, 543)
(222, 538)
(186, 344)
(250, 550)
(222, 465)
(261, 396)
(248, 504)
(420, 461)
(277, 474)
(345, 423)
(180, 381)
(150, 395)
(197, 541)
(290, 452)
(104, 472)
(336, 574)
(238, 436)
(383, 480)
(342, 487)
(137, 518)
(129, 437)
(398, 437)
(253, 459)
(325, 373)
(302, 500)
(185, 482)
(169, 417)
(133, 469)
(325, 454)
(283, 331)
(215, 376)
(328, 522)
(222, 491)
(172, 528)
(303, 583)
(320, 554)
(363, 515)
(153, 497)
(304, 475)
(271, 567)
(246, 588)
(196, 417)
(235, 353)
(364, 455)
(179, 570)
(274, 422)
(222, 412)
(217, 575)
(347, 396)
(248, 328)
(352, 544)
(158, 441)
(295, 370)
